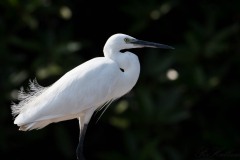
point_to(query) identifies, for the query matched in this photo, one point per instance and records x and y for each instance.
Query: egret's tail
(27, 99)
(33, 125)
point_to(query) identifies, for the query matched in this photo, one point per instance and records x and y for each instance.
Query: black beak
(141, 43)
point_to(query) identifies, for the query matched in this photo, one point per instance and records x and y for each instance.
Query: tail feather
(25, 97)
(34, 125)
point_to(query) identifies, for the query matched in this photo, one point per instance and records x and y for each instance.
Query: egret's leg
(80, 144)
(84, 119)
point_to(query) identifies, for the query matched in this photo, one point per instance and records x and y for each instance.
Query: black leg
(80, 144)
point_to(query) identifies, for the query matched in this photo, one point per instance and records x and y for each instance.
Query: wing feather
(89, 85)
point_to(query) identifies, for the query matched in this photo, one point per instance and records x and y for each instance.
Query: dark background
(195, 116)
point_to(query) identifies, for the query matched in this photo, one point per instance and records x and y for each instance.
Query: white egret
(83, 90)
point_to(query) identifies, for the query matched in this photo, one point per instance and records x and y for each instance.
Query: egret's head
(118, 42)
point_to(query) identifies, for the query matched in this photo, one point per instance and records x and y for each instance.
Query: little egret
(90, 86)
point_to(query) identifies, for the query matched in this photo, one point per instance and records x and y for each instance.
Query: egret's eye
(127, 40)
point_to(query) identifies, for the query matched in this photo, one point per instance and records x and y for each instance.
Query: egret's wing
(88, 85)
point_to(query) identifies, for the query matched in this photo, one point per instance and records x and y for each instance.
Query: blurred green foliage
(184, 106)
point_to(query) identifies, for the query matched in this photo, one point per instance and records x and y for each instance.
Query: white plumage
(84, 89)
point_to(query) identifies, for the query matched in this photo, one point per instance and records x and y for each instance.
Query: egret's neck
(127, 61)
(109, 52)
(132, 69)
(130, 65)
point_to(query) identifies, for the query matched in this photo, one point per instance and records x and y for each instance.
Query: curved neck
(109, 52)
(133, 70)
(130, 64)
